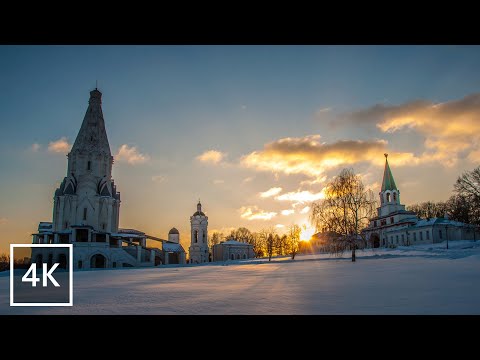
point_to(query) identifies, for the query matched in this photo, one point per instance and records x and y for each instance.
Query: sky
(255, 132)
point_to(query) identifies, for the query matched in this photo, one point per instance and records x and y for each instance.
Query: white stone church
(86, 211)
(394, 225)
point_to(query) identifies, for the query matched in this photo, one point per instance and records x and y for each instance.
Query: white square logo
(44, 280)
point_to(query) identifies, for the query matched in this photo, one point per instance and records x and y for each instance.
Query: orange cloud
(301, 196)
(288, 212)
(451, 129)
(59, 146)
(211, 156)
(308, 156)
(131, 155)
(270, 192)
(254, 213)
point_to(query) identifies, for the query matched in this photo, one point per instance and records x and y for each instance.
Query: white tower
(199, 242)
(87, 200)
(174, 236)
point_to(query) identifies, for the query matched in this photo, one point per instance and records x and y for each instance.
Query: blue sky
(174, 103)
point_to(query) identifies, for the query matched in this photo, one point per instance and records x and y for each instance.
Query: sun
(307, 233)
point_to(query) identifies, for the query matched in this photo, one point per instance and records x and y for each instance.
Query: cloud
(305, 210)
(211, 157)
(279, 226)
(270, 192)
(248, 179)
(131, 155)
(159, 178)
(451, 129)
(254, 213)
(307, 155)
(3, 220)
(59, 146)
(288, 212)
(35, 147)
(301, 196)
(218, 181)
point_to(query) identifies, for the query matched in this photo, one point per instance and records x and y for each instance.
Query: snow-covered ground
(424, 279)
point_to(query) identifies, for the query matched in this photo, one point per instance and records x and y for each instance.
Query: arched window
(238, 256)
(203, 237)
(89, 165)
(394, 197)
(244, 256)
(232, 256)
(388, 197)
(195, 236)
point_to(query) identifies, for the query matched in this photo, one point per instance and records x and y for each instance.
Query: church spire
(388, 181)
(92, 136)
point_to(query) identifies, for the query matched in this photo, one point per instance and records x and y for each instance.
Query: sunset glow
(307, 233)
(255, 132)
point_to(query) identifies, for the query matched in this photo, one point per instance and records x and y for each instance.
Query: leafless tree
(429, 209)
(4, 262)
(243, 235)
(215, 239)
(345, 211)
(468, 187)
(267, 237)
(294, 239)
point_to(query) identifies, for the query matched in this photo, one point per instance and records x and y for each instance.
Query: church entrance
(98, 261)
(375, 240)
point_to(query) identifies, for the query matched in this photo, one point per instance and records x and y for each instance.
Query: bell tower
(199, 236)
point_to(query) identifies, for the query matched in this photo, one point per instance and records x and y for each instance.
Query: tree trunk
(353, 253)
(293, 256)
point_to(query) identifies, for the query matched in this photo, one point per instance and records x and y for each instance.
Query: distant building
(86, 209)
(394, 225)
(232, 250)
(198, 251)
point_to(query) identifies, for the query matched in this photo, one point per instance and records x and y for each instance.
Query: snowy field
(425, 279)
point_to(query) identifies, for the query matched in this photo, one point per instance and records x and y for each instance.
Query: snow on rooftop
(172, 247)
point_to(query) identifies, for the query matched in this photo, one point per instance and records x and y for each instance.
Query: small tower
(389, 195)
(174, 236)
(199, 236)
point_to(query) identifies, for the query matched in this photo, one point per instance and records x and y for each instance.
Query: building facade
(232, 250)
(198, 251)
(86, 207)
(394, 226)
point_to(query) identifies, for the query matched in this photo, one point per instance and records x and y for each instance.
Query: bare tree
(243, 235)
(459, 209)
(429, 209)
(468, 187)
(267, 237)
(4, 262)
(294, 239)
(345, 211)
(215, 239)
(258, 245)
